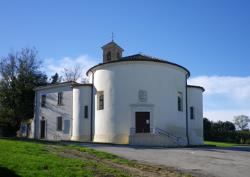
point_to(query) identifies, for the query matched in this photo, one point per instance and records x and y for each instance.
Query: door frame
(142, 108)
(45, 129)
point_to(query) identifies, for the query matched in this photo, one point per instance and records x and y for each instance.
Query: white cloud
(225, 96)
(52, 65)
(237, 88)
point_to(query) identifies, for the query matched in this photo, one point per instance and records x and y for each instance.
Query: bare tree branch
(72, 74)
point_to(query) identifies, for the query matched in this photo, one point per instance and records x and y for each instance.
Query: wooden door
(142, 122)
(43, 129)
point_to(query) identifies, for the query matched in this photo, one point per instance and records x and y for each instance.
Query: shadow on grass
(5, 172)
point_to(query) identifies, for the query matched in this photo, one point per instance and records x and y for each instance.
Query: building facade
(136, 99)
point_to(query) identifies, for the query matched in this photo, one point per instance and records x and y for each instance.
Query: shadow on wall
(7, 173)
(55, 109)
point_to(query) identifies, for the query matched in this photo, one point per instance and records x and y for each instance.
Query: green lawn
(40, 159)
(221, 144)
(35, 160)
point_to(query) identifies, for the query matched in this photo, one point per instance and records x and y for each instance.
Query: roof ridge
(144, 55)
(140, 57)
(55, 84)
(110, 43)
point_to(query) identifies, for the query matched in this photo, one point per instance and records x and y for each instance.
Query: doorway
(43, 129)
(142, 122)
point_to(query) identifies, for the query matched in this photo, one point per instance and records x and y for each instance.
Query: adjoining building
(137, 99)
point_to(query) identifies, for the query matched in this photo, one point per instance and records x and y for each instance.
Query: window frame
(180, 101)
(43, 101)
(58, 128)
(100, 99)
(60, 98)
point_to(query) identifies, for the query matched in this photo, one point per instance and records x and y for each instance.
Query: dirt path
(133, 169)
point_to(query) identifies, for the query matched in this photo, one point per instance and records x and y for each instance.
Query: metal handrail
(178, 140)
(157, 131)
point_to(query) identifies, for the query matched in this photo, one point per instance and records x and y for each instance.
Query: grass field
(221, 144)
(37, 159)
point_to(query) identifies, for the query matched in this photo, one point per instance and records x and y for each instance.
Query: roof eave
(152, 59)
(112, 43)
(196, 86)
(69, 83)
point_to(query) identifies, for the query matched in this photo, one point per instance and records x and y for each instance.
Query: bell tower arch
(111, 52)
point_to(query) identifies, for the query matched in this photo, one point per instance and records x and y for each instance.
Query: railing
(178, 140)
(157, 131)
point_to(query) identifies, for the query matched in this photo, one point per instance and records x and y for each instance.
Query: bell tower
(111, 52)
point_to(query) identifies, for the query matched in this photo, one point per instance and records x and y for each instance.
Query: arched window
(109, 56)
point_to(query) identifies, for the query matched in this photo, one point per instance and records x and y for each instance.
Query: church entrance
(43, 128)
(142, 122)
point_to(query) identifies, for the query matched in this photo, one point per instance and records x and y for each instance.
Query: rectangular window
(60, 98)
(59, 123)
(100, 100)
(180, 101)
(43, 104)
(86, 112)
(192, 112)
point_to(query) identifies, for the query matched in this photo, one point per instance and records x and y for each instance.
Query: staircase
(156, 137)
(178, 140)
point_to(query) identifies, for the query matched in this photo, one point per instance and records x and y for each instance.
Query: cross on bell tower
(112, 37)
(111, 51)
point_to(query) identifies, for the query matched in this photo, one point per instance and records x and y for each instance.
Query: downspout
(92, 107)
(187, 114)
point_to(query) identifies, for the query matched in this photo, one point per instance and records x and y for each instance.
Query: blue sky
(211, 38)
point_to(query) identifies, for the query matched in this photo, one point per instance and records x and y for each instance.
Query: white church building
(136, 99)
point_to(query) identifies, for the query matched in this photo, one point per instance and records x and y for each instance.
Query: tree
(206, 124)
(218, 126)
(85, 80)
(241, 121)
(221, 126)
(228, 126)
(20, 73)
(224, 131)
(72, 74)
(55, 79)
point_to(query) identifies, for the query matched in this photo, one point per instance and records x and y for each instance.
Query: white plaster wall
(33, 134)
(81, 126)
(52, 111)
(195, 125)
(121, 82)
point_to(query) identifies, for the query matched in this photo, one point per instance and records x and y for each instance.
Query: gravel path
(221, 162)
